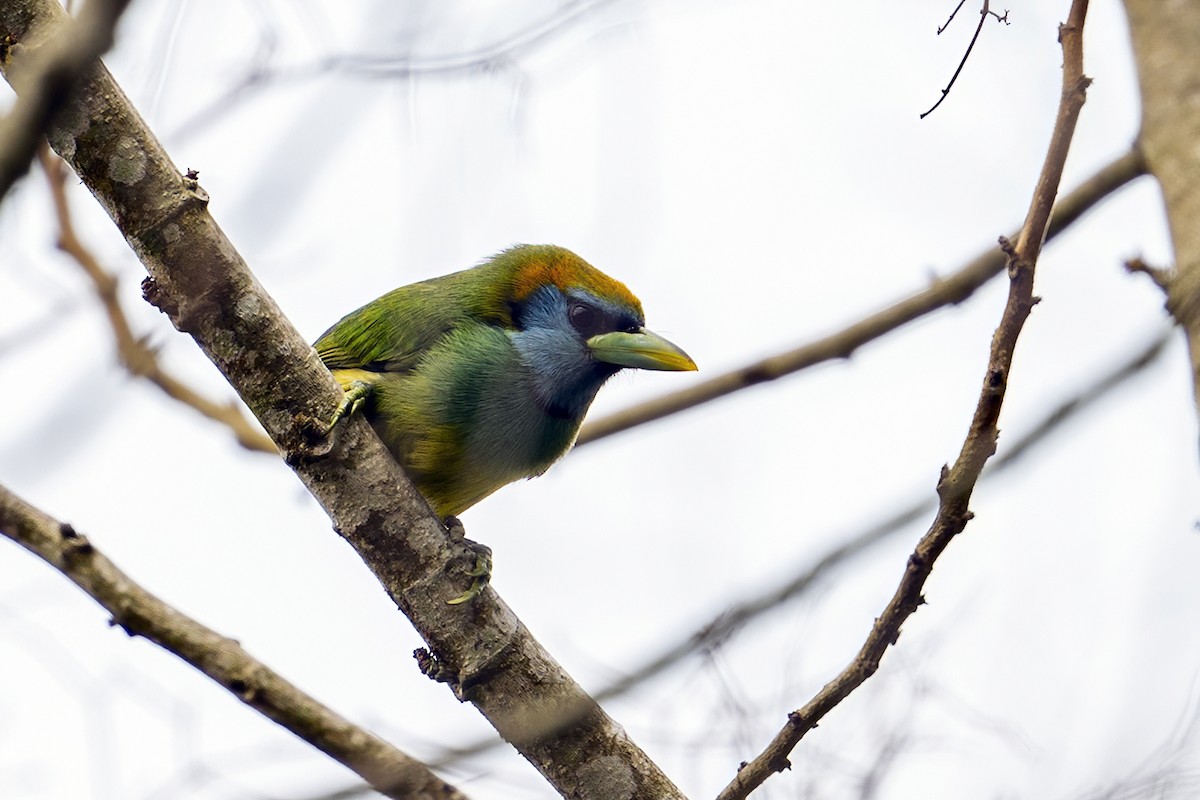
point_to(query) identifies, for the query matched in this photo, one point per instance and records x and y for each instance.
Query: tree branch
(480, 649)
(138, 357)
(1168, 63)
(44, 82)
(949, 290)
(741, 614)
(983, 15)
(399, 67)
(139, 613)
(957, 483)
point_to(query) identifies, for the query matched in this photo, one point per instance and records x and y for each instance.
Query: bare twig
(949, 290)
(397, 68)
(941, 28)
(740, 615)
(480, 649)
(983, 15)
(45, 81)
(135, 354)
(139, 613)
(1168, 771)
(1160, 276)
(744, 612)
(957, 483)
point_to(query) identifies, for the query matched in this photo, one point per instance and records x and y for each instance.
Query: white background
(757, 173)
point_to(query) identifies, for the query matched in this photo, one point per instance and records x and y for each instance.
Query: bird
(482, 377)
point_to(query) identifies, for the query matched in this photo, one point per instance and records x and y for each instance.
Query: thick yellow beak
(641, 350)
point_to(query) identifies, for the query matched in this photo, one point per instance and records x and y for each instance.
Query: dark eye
(585, 319)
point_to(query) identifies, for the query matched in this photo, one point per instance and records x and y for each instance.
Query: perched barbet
(476, 379)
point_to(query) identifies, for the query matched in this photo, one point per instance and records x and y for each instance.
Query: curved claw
(481, 573)
(355, 395)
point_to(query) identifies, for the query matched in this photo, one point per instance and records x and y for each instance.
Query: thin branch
(949, 290)
(139, 613)
(941, 29)
(483, 59)
(44, 82)
(135, 354)
(957, 483)
(1160, 276)
(480, 649)
(1167, 771)
(741, 614)
(983, 15)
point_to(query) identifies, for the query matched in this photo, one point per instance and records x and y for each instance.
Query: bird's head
(574, 327)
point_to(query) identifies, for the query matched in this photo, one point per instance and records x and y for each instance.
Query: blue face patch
(564, 377)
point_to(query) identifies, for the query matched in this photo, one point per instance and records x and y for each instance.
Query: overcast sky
(758, 174)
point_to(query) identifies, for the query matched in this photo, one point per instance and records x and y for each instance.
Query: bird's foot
(352, 400)
(481, 572)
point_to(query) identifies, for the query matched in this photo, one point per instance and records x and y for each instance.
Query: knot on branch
(75, 548)
(1162, 277)
(155, 296)
(433, 667)
(194, 189)
(310, 439)
(1017, 264)
(244, 689)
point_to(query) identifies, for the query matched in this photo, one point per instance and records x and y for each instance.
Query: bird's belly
(519, 446)
(458, 463)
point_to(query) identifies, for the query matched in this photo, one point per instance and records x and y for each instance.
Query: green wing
(389, 334)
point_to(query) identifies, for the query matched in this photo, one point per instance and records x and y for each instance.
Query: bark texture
(1166, 46)
(480, 649)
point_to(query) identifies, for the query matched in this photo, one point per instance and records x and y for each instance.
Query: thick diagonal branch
(134, 352)
(198, 279)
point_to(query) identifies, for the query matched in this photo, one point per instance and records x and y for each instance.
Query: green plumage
(482, 377)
